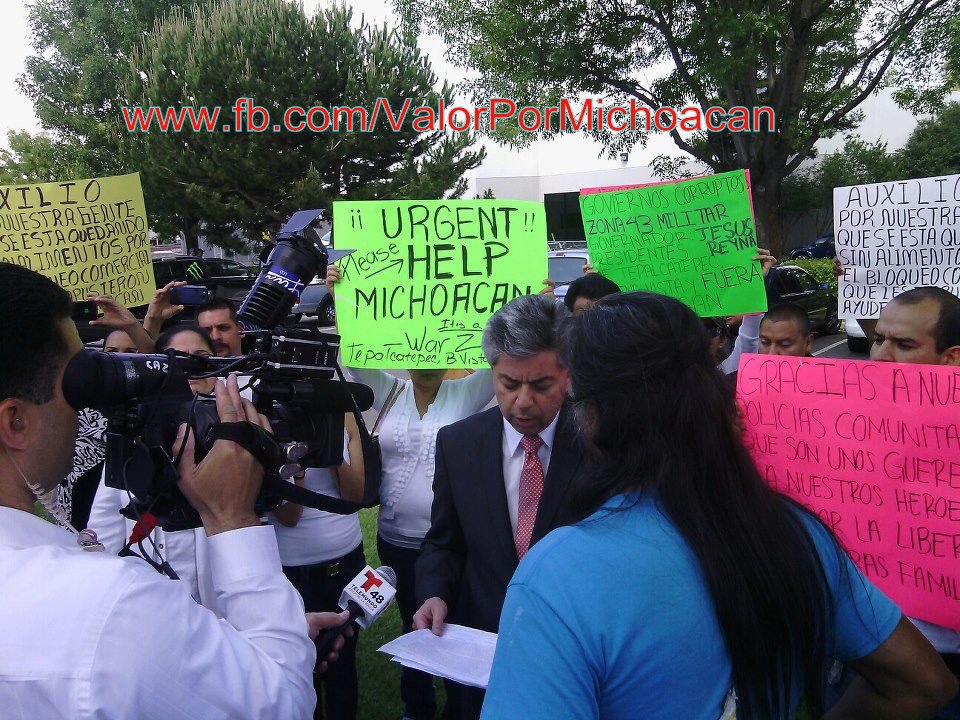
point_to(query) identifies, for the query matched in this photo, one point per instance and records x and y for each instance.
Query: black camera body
(145, 399)
(292, 372)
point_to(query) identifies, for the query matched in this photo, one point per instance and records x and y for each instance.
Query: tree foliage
(39, 159)
(859, 163)
(270, 51)
(812, 61)
(80, 52)
(93, 57)
(934, 146)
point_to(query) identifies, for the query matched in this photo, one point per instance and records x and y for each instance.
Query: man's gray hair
(524, 327)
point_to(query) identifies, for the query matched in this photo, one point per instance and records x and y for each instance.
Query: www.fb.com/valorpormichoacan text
(247, 117)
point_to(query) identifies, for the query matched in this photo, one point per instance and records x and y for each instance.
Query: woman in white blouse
(418, 407)
(321, 552)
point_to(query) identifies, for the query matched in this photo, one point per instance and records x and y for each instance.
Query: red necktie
(531, 486)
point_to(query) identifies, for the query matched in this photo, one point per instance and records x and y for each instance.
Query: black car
(224, 278)
(791, 284)
(822, 247)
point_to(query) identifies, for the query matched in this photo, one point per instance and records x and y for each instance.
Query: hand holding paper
(461, 654)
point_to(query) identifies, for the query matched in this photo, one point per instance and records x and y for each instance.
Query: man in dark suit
(501, 481)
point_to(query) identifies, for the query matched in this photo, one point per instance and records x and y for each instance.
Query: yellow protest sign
(88, 236)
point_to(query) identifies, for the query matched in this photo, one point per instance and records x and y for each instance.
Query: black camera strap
(372, 462)
(252, 438)
(372, 470)
(266, 451)
(364, 433)
(308, 498)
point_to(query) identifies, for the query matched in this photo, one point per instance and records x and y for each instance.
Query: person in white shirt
(321, 552)
(411, 413)
(87, 635)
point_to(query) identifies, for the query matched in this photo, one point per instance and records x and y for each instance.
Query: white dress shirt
(185, 550)
(89, 635)
(513, 455)
(748, 341)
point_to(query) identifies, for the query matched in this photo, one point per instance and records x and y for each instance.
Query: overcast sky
(884, 119)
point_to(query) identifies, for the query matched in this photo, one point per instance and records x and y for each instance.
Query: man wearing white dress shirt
(501, 479)
(84, 634)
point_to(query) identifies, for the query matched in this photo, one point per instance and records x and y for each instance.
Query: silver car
(315, 301)
(565, 266)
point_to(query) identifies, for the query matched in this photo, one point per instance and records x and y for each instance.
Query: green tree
(80, 51)
(270, 51)
(38, 159)
(812, 61)
(859, 163)
(934, 146)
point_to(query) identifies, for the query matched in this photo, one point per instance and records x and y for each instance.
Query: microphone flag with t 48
(366, 597)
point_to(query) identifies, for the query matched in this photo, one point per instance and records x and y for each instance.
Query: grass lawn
(379, 677)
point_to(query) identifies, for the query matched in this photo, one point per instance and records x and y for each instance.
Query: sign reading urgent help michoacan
(693, 240)
(426, 275)
(88, 236)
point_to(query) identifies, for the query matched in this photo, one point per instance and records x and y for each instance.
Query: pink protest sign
(874, 450)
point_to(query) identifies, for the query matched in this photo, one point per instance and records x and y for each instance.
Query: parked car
(791, 284)
(822, 247)
(565, 266)
(315, 300)
(224, 278)
(856, 338)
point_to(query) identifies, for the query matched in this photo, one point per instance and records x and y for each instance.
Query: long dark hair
(658, 415)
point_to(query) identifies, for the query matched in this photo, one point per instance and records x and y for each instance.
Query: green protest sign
(693, 240)
(426, 275)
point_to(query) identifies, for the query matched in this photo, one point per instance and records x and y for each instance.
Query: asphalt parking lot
(835, 346)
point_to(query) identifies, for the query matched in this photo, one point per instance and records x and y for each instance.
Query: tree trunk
(768, 211)
(190, 235)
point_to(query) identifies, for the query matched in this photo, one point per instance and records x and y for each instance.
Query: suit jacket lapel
(493, 495)
(565, 458)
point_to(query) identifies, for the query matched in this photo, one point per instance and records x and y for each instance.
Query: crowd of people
(588, 497)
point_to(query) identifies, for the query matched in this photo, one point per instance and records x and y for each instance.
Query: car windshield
(565, 269)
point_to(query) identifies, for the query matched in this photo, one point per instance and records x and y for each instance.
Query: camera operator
(88, 635)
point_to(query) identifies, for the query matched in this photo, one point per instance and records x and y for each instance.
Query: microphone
(365, 597)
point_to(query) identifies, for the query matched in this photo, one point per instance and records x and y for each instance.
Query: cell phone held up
(190, 295)
(84, 311)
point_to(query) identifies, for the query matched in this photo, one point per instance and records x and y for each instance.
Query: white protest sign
(895, 236)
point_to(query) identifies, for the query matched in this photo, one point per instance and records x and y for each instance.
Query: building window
(564, 222)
